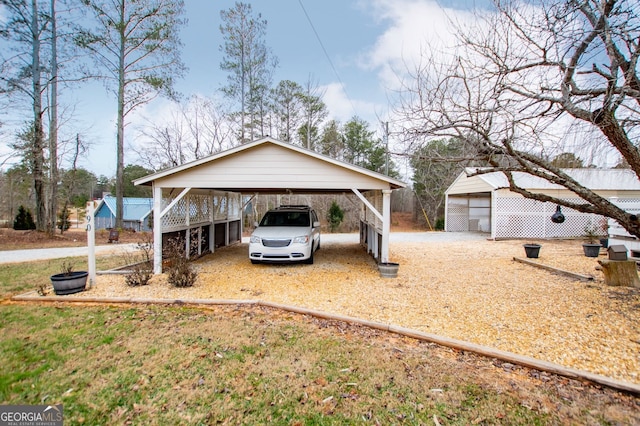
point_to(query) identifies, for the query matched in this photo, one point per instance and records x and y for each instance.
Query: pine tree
(24, 220)
(335, 216)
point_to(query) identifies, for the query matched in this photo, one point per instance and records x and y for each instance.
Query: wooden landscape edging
(556, 270)
(462, 345)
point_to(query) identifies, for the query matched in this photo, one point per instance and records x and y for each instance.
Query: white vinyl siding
(469, 185)
(270, 166)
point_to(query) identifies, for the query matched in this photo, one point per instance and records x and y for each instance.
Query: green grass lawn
(17, 278)
(249, 365)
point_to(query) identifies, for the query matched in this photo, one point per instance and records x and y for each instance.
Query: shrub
(63, 220)
(141, 264)
(181, 272)
(335, 216)
(440, 224)
(66, 268)
(24, 220)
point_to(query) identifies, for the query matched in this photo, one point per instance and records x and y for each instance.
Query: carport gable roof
(269, 165)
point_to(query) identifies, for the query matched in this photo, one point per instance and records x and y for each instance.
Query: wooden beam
(555, 270)
(368, 204)
(175, 200)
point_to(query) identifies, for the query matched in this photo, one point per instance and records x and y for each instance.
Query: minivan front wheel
(309, 261)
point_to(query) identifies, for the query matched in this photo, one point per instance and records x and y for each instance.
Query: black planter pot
(591, 250)
(532, 250)
(604, 242)
(69, 283)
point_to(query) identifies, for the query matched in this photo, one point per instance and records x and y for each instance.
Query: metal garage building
(204, 199)
(484, 203)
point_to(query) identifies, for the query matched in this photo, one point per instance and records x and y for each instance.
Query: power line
(344, 89)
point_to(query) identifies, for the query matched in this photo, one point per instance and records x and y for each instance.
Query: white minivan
(286, 234)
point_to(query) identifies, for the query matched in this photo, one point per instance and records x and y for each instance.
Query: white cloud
(414, 25)
(342, 109)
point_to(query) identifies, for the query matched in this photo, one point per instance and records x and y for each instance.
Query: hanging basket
(557, 217)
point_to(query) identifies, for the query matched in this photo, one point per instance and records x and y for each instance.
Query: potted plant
(591, 247)
(532, 250)
(69, 281)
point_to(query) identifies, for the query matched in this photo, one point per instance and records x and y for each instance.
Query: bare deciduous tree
(314, 111)
(532, 80)
(193, 130)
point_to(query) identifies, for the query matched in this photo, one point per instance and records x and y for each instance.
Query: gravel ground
(461, 287)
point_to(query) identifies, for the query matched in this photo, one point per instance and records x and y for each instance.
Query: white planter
(388, 269)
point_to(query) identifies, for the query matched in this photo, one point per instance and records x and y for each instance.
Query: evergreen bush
(24, 220)
(335, 216)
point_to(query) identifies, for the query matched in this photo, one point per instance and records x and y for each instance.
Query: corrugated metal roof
(134, 208)
(594, 179)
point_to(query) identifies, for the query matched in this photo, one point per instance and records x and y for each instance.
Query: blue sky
(368, 41)
(346, 29)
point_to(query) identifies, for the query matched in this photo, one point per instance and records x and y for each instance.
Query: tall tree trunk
(72, 184)
(120, 125)
(53, 125)
(38, 136)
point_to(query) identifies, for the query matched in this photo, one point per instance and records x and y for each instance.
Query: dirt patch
(404, 222)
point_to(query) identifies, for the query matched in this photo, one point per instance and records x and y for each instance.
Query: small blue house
(135, 216)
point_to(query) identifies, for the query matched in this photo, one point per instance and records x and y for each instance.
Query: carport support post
(157, 232)
(386, 225)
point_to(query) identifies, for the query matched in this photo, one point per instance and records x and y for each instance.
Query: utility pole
(386, 143)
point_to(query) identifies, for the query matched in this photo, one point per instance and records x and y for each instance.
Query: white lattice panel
(227, 206)
(526, 218)
(220, 203)
(199, 208)
(177, 216)
(457, 215)
(631, 206)
(235, 205)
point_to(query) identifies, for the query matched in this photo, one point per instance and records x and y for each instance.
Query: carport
(203, 200)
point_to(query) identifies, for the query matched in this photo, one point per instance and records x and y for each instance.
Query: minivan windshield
(285, 219)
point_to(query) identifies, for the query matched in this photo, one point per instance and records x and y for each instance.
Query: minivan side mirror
(255, 224)
(316, 224)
